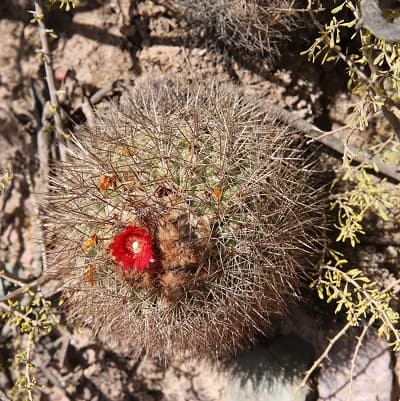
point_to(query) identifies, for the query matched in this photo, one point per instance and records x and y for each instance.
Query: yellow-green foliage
(367, 194)
(29, 322)
(68, 4)
(363, 300)
(373, 64)
(360, 298)
(5, 178)
(373, 70)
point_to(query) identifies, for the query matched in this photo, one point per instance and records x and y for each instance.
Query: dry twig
(353, 359)
(324, 354)
(47, 61)
(334, 144)
(4, 396)
(23, 288)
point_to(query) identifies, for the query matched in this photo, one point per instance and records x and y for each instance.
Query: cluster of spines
(220, 194)
(250, 31)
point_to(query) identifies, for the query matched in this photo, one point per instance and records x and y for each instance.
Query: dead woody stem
(49, 70)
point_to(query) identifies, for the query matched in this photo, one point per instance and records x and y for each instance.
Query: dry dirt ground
(104, 47)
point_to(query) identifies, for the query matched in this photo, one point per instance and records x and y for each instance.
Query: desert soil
(103, 48)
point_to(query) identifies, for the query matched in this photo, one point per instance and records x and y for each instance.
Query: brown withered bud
(202, 231)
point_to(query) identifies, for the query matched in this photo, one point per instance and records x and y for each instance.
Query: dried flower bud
(90, 243)
(89, 275)
(107, 182)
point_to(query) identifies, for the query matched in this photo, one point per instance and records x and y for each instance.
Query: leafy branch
(364, 303)
(32, 320)
(5, 178)
(360, 297)
(367, 194)
(374, 71)
(68, 4)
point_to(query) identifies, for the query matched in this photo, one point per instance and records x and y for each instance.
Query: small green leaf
(338, 8)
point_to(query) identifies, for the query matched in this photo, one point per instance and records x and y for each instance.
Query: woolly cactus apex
(249, 30)
(184, 221)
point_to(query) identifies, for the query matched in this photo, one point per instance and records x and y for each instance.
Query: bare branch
(23, 287)
(334, 144)
(353, 359)
(47, 61)
(324, 355)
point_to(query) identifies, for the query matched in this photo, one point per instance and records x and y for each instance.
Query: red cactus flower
(133, 249)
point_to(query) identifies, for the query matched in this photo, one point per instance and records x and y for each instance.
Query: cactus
(183, 221)
(249, 30)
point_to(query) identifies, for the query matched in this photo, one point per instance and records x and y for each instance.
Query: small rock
(60, 73)
(391, 252)
(372, 373)
(4, 284)
(271, 373)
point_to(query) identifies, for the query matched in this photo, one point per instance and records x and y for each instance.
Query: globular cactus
(249, 30)
(183, 221)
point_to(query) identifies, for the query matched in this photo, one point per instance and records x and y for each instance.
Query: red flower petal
(133, 249)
